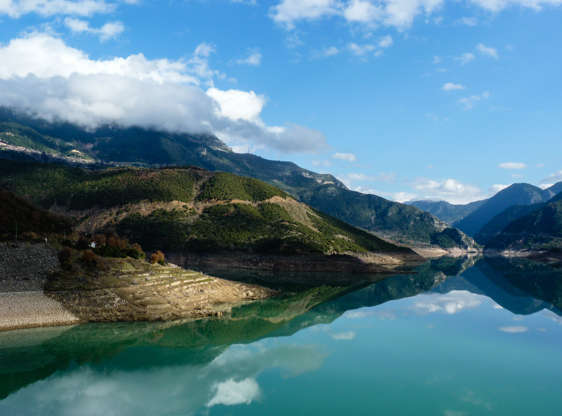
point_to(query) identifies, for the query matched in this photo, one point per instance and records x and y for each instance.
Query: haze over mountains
(41, 140)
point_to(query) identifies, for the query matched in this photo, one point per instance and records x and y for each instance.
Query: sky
(406, 99)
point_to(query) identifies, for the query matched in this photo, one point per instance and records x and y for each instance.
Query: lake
(459, 337)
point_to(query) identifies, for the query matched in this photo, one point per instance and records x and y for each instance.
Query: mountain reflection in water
(192, 367)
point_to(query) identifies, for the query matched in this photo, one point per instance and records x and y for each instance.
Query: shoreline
(33, 309)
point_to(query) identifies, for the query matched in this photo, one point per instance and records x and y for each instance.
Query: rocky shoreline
(33, 309)
(37, 292)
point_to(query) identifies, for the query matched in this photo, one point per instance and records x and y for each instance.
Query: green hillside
(516, 194)
(539, 230)
(153, 148)
(187, 209)
(19, 219)
(496, 225)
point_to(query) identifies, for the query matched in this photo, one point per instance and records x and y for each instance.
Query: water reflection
(191, 367)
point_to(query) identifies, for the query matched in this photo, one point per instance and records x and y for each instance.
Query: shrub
(89, 258)
(136, 251)
(114, 241)
(157, 257)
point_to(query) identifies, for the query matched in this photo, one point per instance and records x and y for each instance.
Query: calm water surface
(454, 339)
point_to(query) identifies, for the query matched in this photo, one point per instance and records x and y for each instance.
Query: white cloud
(361, 50)
(396, 13)
(17, 8)
(498, 5)
(232, 392)
(327, 52)
(348, 157)
(43, 56)
(450, 303)
(449, 190)
(108, 31)
(466, 58)
(451, 86)
(238, 105)
(253, 59)
(470, 101)
(513, 329)
(403, 196)
(487, 50)
(42, 76)
(468, 21)
(552, 179)
(344, 336)
(287, 12)
(385, 41)
(376, 48)
(437, 60)
(362, 11)
(494, 189)
(512, 165)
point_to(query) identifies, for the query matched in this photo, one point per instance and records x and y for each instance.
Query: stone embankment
(25, 266)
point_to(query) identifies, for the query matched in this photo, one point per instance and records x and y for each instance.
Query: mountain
(194, 211)
(539, 230)
(446, 211)
(554, 190)
(516, 194)
(502, 220)
(31, 138)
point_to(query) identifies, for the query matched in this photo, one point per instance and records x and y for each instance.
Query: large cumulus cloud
(43, 76)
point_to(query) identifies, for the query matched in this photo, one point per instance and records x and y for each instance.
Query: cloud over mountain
(43, 76)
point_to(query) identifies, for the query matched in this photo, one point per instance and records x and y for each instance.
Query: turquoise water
(450, 340)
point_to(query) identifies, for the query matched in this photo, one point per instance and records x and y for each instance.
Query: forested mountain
(22, 136)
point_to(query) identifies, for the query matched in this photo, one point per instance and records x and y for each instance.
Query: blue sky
(402, 98)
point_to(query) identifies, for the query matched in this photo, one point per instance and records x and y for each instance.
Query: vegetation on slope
(398, 222)
(20, 220)
(136, 146)
(516, 194)
(216, 212)
(539, 230)
(497, 224)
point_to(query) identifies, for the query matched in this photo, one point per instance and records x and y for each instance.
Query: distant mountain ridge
(516, 194)
(39, 139)
(539, 230)
(484, 219)
(450, 213)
